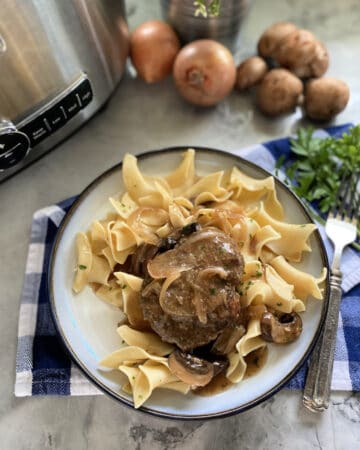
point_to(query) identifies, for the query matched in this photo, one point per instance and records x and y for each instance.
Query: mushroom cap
(272, 36)
(325, 98)
(250, 72)
(191, 369)
(280, 328)
(297, 49)
(279, 92)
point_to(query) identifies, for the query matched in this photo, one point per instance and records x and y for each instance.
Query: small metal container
(224, 28)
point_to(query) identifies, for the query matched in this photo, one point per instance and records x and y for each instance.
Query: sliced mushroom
(280, 328)
(191, 369)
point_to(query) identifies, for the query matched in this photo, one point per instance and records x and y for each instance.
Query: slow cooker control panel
(17, 141)
(14, 145)
(56, 114)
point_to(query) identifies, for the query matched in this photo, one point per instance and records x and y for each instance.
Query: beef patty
(189, 295)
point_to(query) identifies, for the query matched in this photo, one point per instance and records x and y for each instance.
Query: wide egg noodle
(150, 342)
(84, 262)
(249, 191)
(107, 253)
(304, 283)
(100, 270)
(119, 256)
(131, 286)
(177, 217)
(205, 186)
(184, 175)
(125, 206)
(152, 375)
(98, 237)
(294, 238)
(131, 355)
(248, 343)
(263, 237)
(143, 189)
(111, 294)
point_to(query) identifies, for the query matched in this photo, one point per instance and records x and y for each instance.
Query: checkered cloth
(43, 366)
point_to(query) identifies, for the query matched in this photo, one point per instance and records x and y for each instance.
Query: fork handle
(318, 381)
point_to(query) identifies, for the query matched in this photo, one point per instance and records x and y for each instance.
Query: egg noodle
(245, 208)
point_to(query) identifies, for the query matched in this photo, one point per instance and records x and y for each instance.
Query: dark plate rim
(145, 409)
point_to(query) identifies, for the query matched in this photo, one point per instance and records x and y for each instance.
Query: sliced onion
(165, 265)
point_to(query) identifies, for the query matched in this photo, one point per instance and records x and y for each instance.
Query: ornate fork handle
(318, 382)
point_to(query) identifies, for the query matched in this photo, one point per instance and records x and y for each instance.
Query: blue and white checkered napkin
(44, 368)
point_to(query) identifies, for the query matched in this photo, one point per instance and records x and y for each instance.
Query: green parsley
(279, 304)
(211, 10)
(212, 291)
(258, 274)
(320, 166)
(82, 267)
(123, 286)
(239, 291)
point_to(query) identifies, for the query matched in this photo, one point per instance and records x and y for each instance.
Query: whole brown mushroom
(270, 40)
(301, 53)
(250, 72)
(325, 98)
(279, 92)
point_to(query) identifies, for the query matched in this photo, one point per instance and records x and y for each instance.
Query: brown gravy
(254, 360)
(217, 385)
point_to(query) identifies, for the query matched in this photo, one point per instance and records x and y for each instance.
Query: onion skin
(153, 49)
(204, 72)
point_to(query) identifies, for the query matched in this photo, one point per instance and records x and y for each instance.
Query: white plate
(87, 325)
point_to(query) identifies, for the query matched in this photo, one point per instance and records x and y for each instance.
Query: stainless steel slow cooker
(59, 62)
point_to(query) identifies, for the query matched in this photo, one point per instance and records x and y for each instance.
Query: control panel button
(12, 141)
(15, 154)
(71, 105)
(36, 130)
(84, 93)
(59, 112)
(55, 117)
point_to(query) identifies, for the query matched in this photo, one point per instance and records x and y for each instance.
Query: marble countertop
(138, 118)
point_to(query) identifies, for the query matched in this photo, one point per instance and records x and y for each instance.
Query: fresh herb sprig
(320, 166)
(207, 10)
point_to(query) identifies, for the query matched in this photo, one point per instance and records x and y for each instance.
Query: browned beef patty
(202, 300)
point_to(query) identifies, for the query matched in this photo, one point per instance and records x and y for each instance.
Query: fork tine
(354, 200)
(339, 196)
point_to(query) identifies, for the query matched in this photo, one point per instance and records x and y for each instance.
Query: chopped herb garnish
(133, 377)
(123, 286)
(82, 267)
(212, 291)
(250, 236)
(258, 274)
(303, 225)
(319, 165)
(279, 304)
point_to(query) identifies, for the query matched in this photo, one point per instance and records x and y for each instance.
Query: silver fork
(341, 228)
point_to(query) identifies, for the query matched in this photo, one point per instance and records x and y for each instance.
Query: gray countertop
(138, 118)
